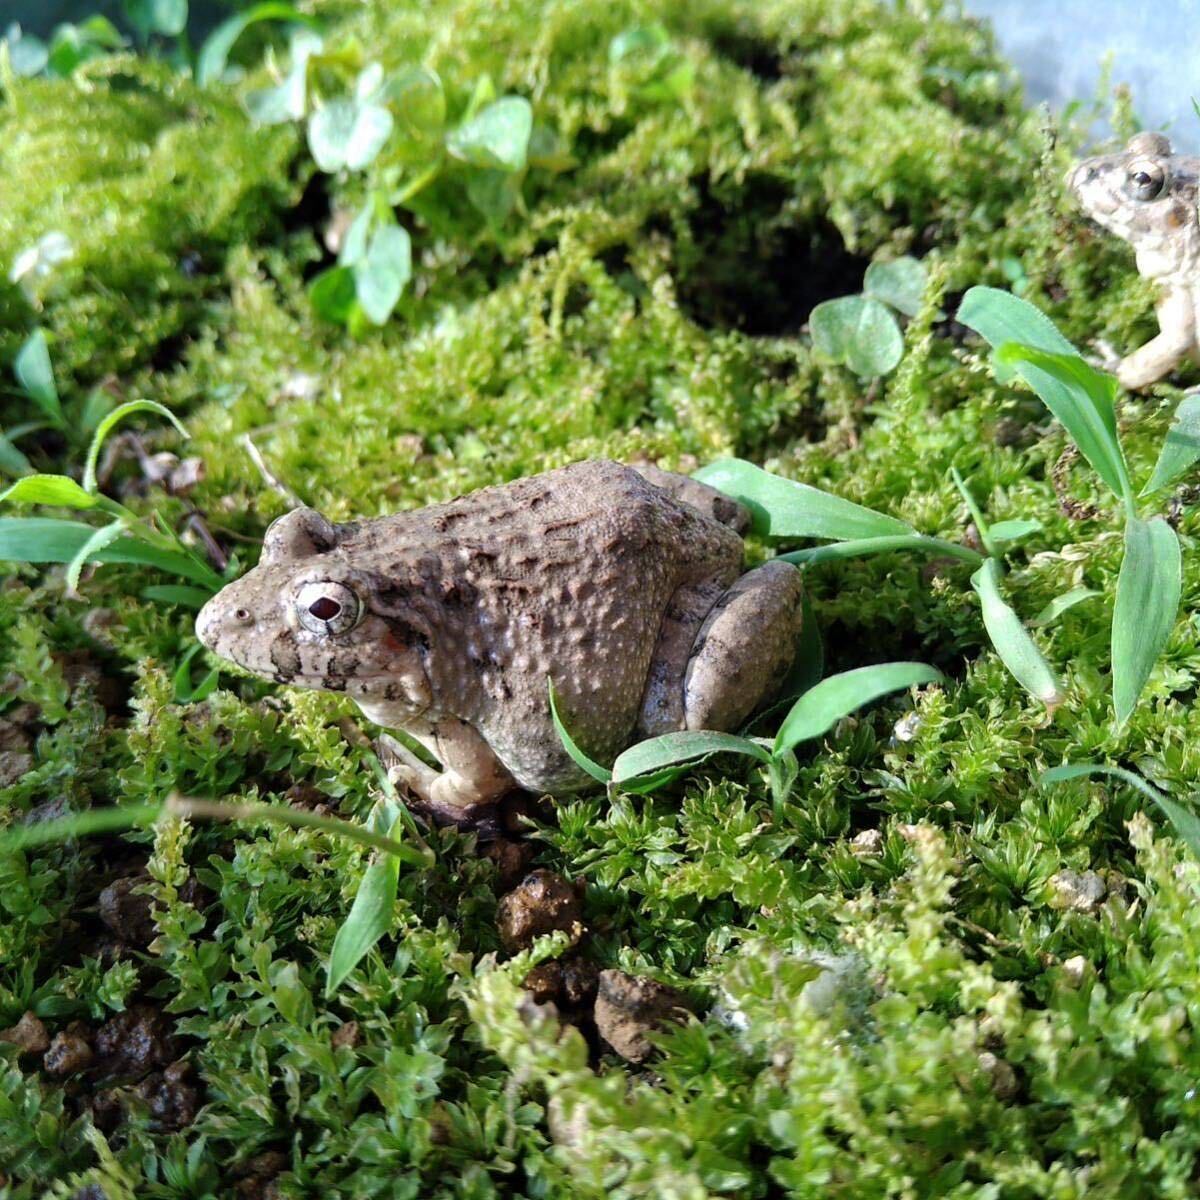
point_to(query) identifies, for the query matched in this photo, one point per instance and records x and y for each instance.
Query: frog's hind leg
(744, 648)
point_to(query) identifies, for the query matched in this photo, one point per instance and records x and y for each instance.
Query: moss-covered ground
(649, 301)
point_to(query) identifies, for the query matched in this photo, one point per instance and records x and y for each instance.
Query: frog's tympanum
(1147, 196)
(623, 585)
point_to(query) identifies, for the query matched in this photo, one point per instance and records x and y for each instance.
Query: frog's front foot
(1105, 357)
(467, 799)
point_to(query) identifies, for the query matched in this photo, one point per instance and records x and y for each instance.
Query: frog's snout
(1080, 175)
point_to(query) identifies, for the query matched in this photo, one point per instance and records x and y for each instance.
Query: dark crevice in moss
(749, 268)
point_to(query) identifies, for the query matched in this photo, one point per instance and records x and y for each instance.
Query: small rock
(14, 766)
(255, 1174)
(511, 859)
(1074, 970)
(68, 1054)
(907, 728)
(185, 476)
(867, 844)
(543, 902)
(135, 1042)
(1077, 892)
(1005, 1084)
(172, 1099)
(28, 1034)
(569, 983)
(127, 912)
(346, 1035)
(629, 1007)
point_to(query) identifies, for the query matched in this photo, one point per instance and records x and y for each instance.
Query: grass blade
(821, 707)
(1000, 317)
(1083, 399)
(864, 547)
(782, 508)
(1012, 641)
(1148, 591)
(1060, 604)
(369, 919)
(1184, 819)
(12, 460)
(58, 490)
(1181, 447)
(176, 593)
(106, 425)
(214, 54)
(104, 536)
(35, 374)
(581, 760)
(685, 746)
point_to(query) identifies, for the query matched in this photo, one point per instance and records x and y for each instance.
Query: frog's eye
(1145, 179)
(327, 607)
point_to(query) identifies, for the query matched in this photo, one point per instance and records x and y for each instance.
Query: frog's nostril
(243, 616)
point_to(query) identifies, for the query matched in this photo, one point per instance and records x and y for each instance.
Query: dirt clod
(541, 903)
(629, 1007)
(172, 1098)
(28, 1034)
(569, 983)
(511, 859)
(68, 1054)
(135, 1042)
(127, 912)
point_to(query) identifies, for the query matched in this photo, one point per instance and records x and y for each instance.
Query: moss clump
(980, 1039)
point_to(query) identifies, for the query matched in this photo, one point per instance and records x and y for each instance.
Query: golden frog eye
(1145, 179)
(325, 607)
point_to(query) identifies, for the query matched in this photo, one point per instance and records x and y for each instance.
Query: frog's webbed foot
(1106, 357)
(744, 648)
(465, 791)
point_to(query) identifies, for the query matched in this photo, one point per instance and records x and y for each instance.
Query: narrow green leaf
(1148, 591)
(59, 490)
(1000, 317)
(104, 536)
(1083, 399)
(48, 540)
(1183, 818)
(900, 283)
(782, 508)
(1181, 448)
(1060, 604)
(176, 593)
(497, 137)
(369, 920)
(1014, 530)
(12, 461)
(214, 54)
(682, 747)
(821, 707)
(581, 760)
(110, 421)
(1017, 649)
(858, 331)
(865, 547)
(35, 374)
(187, 692)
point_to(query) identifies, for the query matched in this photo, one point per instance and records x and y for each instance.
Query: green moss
(982, 1040)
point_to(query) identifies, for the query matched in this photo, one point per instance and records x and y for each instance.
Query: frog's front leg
(1160, 355)
(471, 776)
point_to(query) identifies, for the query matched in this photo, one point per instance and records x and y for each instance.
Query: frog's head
(1146, 195)
(307, 616)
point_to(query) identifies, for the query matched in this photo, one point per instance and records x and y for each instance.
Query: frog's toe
(744, 648)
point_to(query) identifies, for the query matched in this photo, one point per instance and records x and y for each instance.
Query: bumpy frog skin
(1146, 195)
(624, 585)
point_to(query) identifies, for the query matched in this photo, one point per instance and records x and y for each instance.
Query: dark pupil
(1142, 179)
(324, 609)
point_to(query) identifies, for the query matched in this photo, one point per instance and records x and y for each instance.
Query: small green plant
(649, 765)
(645, 64)
(127, 537)
(861, 331)
(1027, 345)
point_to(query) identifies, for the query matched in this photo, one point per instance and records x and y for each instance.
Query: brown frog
(1146, 195)
(622, 584)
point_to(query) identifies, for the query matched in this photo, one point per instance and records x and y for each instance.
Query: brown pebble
(629, 1007)
(569, 983)
(28, 1034)
(68, 1054)
(345, 1034)
(14, 766)
(542, 902)
(134, 1042)
(172, 1098)
(127, 912)
(511, 859)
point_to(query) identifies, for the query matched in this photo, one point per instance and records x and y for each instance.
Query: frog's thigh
(662, 701)
(471, 773)
(745, 648)
(1177, 339)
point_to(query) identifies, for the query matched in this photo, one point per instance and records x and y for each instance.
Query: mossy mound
(985, 1037)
